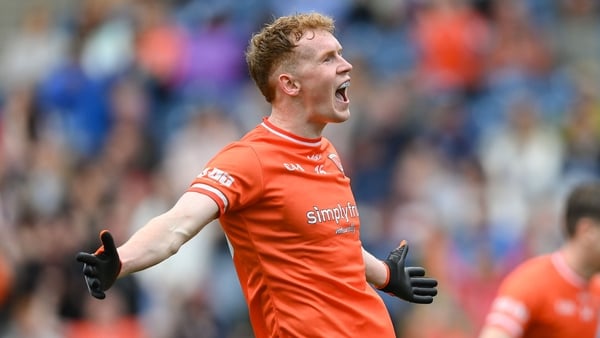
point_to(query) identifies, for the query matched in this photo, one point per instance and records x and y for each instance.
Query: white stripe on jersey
(214, 191)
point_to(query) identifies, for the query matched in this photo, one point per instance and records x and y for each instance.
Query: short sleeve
(514, 305)
(233, 178)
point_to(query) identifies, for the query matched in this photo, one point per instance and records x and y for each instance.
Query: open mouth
(341, 94)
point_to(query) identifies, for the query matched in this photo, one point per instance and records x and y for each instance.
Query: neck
(296, 123)
(575, 259)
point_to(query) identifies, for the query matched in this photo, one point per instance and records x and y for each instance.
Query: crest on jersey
(336, 161)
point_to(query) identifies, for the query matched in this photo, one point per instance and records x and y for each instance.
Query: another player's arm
(517, 299)
(163, 235)
(510, 311)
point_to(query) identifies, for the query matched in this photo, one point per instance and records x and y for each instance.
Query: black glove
(408, 283)
(101, 268)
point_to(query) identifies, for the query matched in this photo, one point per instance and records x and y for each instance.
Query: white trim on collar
(559, 262)
(291, 138)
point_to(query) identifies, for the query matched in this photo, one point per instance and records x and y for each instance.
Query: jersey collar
(310, 142)
(559, 262)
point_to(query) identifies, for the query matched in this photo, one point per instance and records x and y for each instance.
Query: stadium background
(471, 119)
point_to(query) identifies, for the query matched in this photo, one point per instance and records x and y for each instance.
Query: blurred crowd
(471, 119)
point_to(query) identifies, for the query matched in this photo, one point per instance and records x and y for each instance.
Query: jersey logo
(345, 230)
(218, 175)
(319, 169)
(565, 307)
(512, 307)
(333, 157)
(339, 213)
(293, 166)
(314, 157)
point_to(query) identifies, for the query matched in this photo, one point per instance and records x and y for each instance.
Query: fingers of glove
(97, 293)
(95, 287)
(90, 270)
(422, 299)
(108, 243)
(415, 271)
(94, 284)
(87, 258)
(424, 291)
(423, 282)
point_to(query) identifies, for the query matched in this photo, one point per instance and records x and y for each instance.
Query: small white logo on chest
(345, 230)
(565, 307)
(314, 157)
(293, 166)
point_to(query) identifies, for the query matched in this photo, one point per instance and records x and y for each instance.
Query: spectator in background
(522, 160)
(211, 73)
(385, 127)
(106, 319)
(34, 310)
(108, 47)
(581, 132)
(19, 129)
(159, 44)
(574, 38)
(452, 39)
(516, 47)
(31, 51)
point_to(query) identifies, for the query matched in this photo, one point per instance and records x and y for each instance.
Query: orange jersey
(288, 212)
(544, 298)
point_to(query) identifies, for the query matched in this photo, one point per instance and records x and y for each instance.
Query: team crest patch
(336, 160)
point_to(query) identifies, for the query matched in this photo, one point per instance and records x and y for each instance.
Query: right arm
(510, 313)
(163, 235)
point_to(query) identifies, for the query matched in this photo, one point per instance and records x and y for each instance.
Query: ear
(288, 84)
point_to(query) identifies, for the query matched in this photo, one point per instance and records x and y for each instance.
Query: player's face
(594, 249)
(324, 76)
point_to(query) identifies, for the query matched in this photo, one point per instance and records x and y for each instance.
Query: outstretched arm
(163, 235)
(156, 241)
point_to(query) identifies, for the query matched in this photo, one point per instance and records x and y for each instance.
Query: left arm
(393, 277)
(376, 271)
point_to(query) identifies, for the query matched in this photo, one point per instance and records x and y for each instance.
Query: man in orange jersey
(558, 294)
(284, 203)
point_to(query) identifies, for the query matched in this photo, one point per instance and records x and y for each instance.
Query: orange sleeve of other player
(517, 298)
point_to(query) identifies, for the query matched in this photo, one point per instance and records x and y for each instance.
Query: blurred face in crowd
(321, 77)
